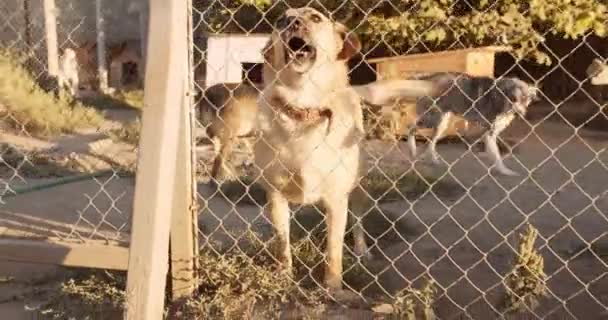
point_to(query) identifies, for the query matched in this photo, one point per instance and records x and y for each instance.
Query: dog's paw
(507, 172)
(363, 255)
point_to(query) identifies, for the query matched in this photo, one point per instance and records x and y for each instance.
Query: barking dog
(490, 103)
(310, 122)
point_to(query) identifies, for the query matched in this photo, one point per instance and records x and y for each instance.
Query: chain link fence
(444, 239)
(455, 237)
(67, 163)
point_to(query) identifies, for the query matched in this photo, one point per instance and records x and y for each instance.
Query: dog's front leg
(493, 151)
(500, 124)
(336, 209)
(439, 133)
(279, 216)
(411, 142)
(360, 204)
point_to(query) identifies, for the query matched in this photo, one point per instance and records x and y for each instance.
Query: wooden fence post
(50, 26)
(27, 30)
(184, 223)
(102, 67)
(156, 173)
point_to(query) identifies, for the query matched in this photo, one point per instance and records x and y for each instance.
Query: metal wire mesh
(456, 223)
(66, 163)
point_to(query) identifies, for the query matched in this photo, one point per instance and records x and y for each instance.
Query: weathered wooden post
(158, 169)
(102, 67)
(50, 26)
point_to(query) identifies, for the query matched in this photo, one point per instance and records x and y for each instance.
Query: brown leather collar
(300, 114)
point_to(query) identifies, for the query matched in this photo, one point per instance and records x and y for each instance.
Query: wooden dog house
(474, 62)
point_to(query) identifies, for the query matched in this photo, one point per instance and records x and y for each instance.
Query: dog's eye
(315, 18)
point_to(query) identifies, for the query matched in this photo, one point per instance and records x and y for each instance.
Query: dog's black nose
(288, 22)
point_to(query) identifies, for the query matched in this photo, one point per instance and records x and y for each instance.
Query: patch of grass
(133, 99)
(412, 304)
(86, 295)
(239, 286)
(33, 164)
(26, 106)
(128, 133)
(526, 282)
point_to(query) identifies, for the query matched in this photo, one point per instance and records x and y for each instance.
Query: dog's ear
(268, 51)
(351, 44)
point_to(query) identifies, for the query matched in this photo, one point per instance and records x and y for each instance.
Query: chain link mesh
(456, 223)
(66, 163)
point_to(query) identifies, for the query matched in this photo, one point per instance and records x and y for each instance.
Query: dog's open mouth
(299, 51)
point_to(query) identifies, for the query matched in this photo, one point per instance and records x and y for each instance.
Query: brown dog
(228, 111)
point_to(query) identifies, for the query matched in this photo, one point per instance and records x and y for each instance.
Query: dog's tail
(386, 91)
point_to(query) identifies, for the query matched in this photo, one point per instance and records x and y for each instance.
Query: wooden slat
(488, 49)
(183, 219)
(50, 26)
(102, 66)
(156, 174)
(89, 255)
(475, 62)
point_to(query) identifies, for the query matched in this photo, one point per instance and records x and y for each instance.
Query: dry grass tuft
(412, 304)
(24, 106)
(132, 99)
(128, 133)
(526, 282)
(87, 295)
(33, 164)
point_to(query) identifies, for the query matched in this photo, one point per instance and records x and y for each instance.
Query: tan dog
(311, 122)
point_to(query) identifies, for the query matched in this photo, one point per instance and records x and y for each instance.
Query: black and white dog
(489, 103)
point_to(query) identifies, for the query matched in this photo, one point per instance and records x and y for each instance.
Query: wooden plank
(183, 220)
(90, 255)
(488, 49)
(480, 64)
(102, 66)
(156, 174)
(27, 26)
(475, 62)
(50, 26)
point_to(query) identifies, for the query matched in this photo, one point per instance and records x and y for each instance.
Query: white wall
(226, 53)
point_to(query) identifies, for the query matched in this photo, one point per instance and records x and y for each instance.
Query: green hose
(56, 182)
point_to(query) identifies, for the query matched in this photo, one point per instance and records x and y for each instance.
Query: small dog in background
(490, 103)
(68, 77)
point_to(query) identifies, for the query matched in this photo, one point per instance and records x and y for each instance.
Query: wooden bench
(473, 61)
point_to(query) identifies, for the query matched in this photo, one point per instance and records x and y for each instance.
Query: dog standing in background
(229, 112)
(489, 103)
(68, 77)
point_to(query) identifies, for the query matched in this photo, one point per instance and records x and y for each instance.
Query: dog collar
(300, 114)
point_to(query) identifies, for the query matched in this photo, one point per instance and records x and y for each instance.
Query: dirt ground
(462, 233)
